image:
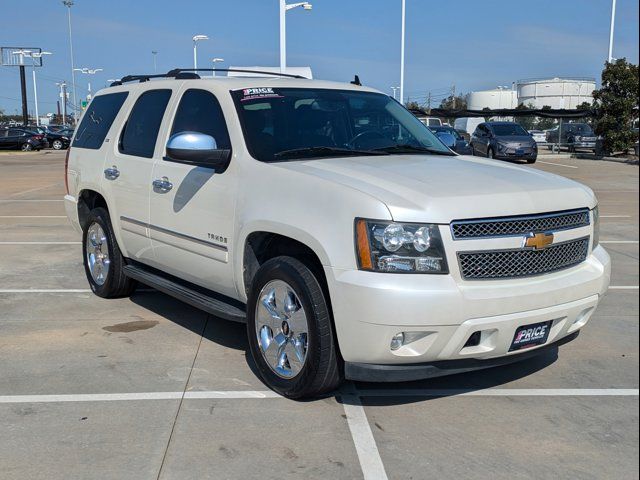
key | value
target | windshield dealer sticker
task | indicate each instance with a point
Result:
(258, 93)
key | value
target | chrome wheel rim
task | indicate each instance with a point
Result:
(57, 144)
(282, 329)
(97, 250)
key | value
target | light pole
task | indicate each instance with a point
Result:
(214, 61)
(89, 71)
(155, 63)
(69, 4)
(404, 16)
(611, 30)
(33, 56)
(284, 8)
(196, 39)
(394, 91)
(63, 96)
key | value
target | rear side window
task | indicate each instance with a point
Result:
(199, 111)
(97, 120)
(141, 130)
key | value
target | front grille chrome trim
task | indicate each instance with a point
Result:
(516, 226)
(522, 263)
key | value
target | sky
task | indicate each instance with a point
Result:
(470, 44)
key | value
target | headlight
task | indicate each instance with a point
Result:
(596, 226)
(399, 247)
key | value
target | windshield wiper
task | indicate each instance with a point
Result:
(307, 152)
(405, 148)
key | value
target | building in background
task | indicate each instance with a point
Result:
(557, 93)
(502, 97)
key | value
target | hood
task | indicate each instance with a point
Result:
(439, 189)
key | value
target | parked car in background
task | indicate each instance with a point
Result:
(468, 124)
(504, 141)
(574, 136)
(59, 140)
(430, 121)
(538, 135)
(460, 145)
(21, 139)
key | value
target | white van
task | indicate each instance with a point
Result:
(468, 124)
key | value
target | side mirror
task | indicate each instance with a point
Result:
(198, 149)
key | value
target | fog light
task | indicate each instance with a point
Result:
(397, 341)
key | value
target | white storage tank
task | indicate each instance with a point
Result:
(493, 99)
(556, 92)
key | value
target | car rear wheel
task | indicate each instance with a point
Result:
(103, 261)
(290, 331)
(26, 147)
(490, 153)
(57, 145)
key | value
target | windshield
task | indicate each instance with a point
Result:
(508, 130)
(298, 123)
(580, 128)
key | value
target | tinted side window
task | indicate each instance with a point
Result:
(199, 111)
(141, 130)
(97, 120)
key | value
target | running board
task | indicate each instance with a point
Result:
(195, 296)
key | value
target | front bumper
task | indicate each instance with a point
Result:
(370, 308)
(584, 144)
(366, 372)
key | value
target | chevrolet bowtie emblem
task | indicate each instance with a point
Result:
(538, 241)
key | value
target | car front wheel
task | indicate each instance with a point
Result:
(57, 145)
(103, 261)
(290, 331)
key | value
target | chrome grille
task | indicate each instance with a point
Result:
(521, 225)
(495, 264)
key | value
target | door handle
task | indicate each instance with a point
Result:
(163, 185)
(112, 173)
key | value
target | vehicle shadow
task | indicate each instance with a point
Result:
(233, 335)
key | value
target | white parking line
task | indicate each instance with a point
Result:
(366, 448)
(615, 242)
(114, 397)
(504, 392)
(352, 405)
(45, 290)
(615, 216)
(40, 243)
(30, 200)
(624, 287)
(33, 216)
(557, 164)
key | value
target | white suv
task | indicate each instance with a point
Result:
(352, 242)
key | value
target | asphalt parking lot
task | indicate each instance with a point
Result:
(148, 387)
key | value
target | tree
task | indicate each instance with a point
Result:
(413, 106)
(545, 123)
(527, 122)
(458, 102)
(616, 105)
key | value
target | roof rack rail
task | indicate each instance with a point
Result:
(238, 70)
(191, 73)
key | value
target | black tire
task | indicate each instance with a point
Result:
(531, 160)
(322, 371)
(57, 145)
(116, 284)
(473, 151)
(491, 154)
